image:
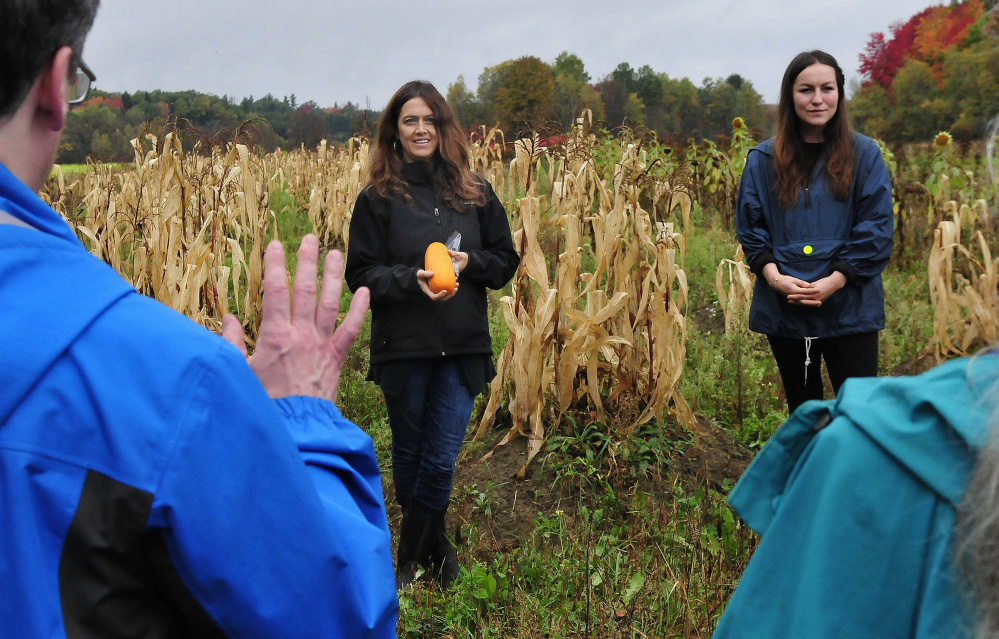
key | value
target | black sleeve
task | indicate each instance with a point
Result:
(496, 262)
(367, 257)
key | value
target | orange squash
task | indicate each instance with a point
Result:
(439, 261)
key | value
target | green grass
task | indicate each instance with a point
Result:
(76, 169)
(641, 549)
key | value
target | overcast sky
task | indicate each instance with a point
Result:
(362, 51)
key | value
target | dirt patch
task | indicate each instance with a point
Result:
(713, 458)
(503, 510)
(709, 319)
(920, 362)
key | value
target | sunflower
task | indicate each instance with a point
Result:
(942, 141)
(738, 124)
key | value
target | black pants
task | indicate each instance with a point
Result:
(847, 356)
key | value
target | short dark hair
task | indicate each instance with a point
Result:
(31, 31)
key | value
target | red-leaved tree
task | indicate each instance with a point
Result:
(942, 28)
(883, 57)
(925, 37)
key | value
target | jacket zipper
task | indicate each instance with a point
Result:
(443, 317)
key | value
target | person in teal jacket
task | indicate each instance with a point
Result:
(152, 483)
(855, 502)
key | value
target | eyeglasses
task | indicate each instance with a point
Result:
(79, 83)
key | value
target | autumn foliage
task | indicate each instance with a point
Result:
(924, 37)
(937, 71)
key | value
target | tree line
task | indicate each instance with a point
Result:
(104, 125)
(936, 71)
(521, 96)
(528, 94)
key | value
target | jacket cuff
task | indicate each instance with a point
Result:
(848, 272)
(761, 260)
(302, 407)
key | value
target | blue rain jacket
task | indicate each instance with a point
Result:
(148, 484)
(857, 519)
(818, 236)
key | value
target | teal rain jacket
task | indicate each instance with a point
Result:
(149, 487)
(856, 519)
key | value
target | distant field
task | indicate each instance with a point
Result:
(80, 168)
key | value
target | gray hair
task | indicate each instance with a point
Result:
(991, 133)
(977, 528)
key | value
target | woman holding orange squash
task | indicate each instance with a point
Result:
(431, 352)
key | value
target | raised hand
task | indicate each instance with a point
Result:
(300, 349)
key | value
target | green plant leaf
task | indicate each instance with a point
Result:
(634, 585)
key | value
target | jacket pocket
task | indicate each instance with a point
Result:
(808, 260)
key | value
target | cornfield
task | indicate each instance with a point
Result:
(189, 229)
(597, 313)
(599, 329)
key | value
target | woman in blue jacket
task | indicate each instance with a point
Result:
(431, 353)
(814, 217)
(878, 512)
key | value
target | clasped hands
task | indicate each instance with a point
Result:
(300, 349)
(460, 261)
(802, 293)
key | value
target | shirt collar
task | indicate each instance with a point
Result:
(24, 205)
(10, 220)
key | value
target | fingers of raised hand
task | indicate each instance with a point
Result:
(275, 305)
(329, 297)
(303, 311)
(232, 332)
(347, 332)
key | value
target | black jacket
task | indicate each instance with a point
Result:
(388, 240)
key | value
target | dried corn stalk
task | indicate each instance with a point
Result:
(735, 297)
(485, 157)
(604, 341)
(963, 285)
(189, 229)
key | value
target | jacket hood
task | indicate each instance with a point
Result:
(766, 147)
(38, 326)
(933, 424)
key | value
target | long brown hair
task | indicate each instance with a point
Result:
(459, 186)
(789, 145)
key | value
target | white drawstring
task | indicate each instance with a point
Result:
(808, 358)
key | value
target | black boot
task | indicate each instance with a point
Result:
(405, 550)
(414, 541)
(443, 560)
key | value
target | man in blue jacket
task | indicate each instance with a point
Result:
(151, 485)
